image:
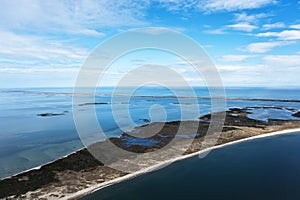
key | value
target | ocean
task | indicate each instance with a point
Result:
(265, 168)
(28, 140)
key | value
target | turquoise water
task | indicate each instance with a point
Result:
(28, 140)
(262, 169)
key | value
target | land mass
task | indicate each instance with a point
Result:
(80, 171)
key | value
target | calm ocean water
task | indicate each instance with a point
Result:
(262, 169)
(28, 140)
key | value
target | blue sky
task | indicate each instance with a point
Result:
(252, 43)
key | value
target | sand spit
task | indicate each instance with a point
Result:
(80, 173)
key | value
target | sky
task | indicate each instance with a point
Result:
(252, 43)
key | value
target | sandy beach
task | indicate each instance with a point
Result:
(160, 165)
(79, 173)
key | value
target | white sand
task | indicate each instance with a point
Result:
(158, 166)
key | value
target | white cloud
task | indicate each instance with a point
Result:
(274, 70)
(234, 68)
(262, 47)
(243, 75)
(88, 17)
(235, 58)
(232, 5)
(244, 17)
(295, 26)
(209, 6)
(158, 30)
(242, 27)
(283, 61)
(22, 55)
(219, 31)
(268, 34)
(36, 47)
(284, 35)
(273, 26)
(89, 32)
(37, 69)
(244, 21)
(73, 17)
(176, 5)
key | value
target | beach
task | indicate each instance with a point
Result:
(226, 173)
(80, 173)
(160, 165)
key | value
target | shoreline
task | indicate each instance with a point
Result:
(40, 166)
(159, 165)
(79, 173)
(65, 156)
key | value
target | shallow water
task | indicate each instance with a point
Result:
(28, 140)
(265, 168)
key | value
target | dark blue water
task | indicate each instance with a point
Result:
(28, 140)
(262, 169)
